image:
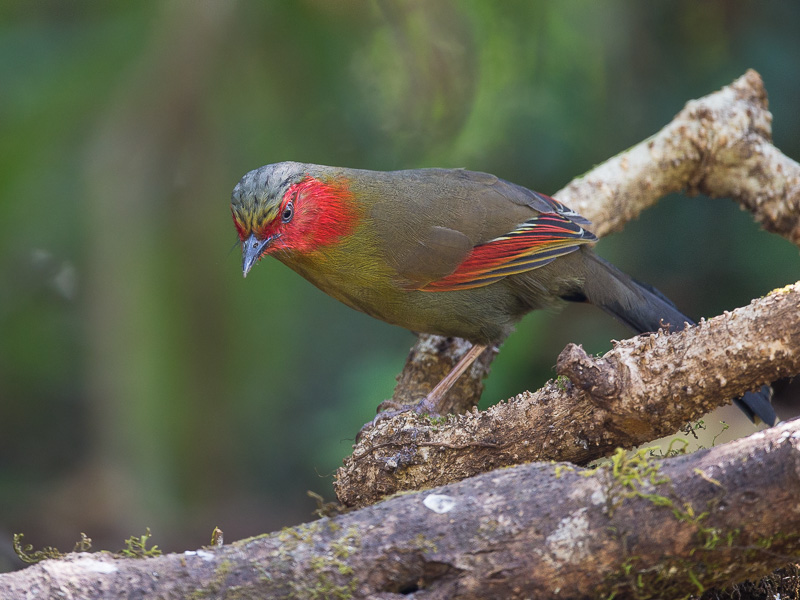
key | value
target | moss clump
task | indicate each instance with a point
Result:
(136, 547)
(638, 475)
(629, 474)
(563, 469)
(28, 555)
(436, 420)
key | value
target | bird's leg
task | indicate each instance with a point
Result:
(430, 404)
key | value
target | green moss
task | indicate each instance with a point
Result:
(329, 576)
(217, 538)
(436, 419)
(303, 533)
(347, 544)
(629, 473)
(703, 570)
(679, 445)
(333, 526)
(223, 569)
(136, 547)
(725, 427)
(787, 289)
(562, 469)
(693, 578)
(424, 544)
(638, 475)
(332, 578)
(28, 555)
(84, 544)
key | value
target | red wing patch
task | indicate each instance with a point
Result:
(534, 243)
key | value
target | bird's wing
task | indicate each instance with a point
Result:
(521, 195)
(456, 229)
(534, 243)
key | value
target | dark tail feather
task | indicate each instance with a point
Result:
(643, 308)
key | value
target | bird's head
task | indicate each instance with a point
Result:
(291, 207)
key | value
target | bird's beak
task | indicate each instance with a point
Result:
(252, 248)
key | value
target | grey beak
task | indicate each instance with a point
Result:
(252, 248)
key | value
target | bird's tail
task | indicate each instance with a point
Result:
(643, 308)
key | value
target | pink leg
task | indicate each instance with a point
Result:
(430, 403)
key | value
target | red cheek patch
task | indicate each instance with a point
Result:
(324, 213)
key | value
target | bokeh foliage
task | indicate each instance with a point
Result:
(144, 383)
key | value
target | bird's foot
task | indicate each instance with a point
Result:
(431, 403)
(428, 405)
(391, 408)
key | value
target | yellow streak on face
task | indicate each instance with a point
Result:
(256, 219)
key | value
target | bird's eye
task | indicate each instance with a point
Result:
(288, 213)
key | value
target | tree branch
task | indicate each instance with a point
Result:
(636, 527)
(644, 388)
(719, 145)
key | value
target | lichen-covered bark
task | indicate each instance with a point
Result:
(637, 527)
(644, 388)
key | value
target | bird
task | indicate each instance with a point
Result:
(452, 252)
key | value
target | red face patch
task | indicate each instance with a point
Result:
(312, 214)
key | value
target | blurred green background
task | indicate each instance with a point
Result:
(143, 382)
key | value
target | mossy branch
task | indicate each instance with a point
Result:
(637, 526)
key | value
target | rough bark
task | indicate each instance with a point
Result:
(719, 145)
(644, 388)
(637, 527)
